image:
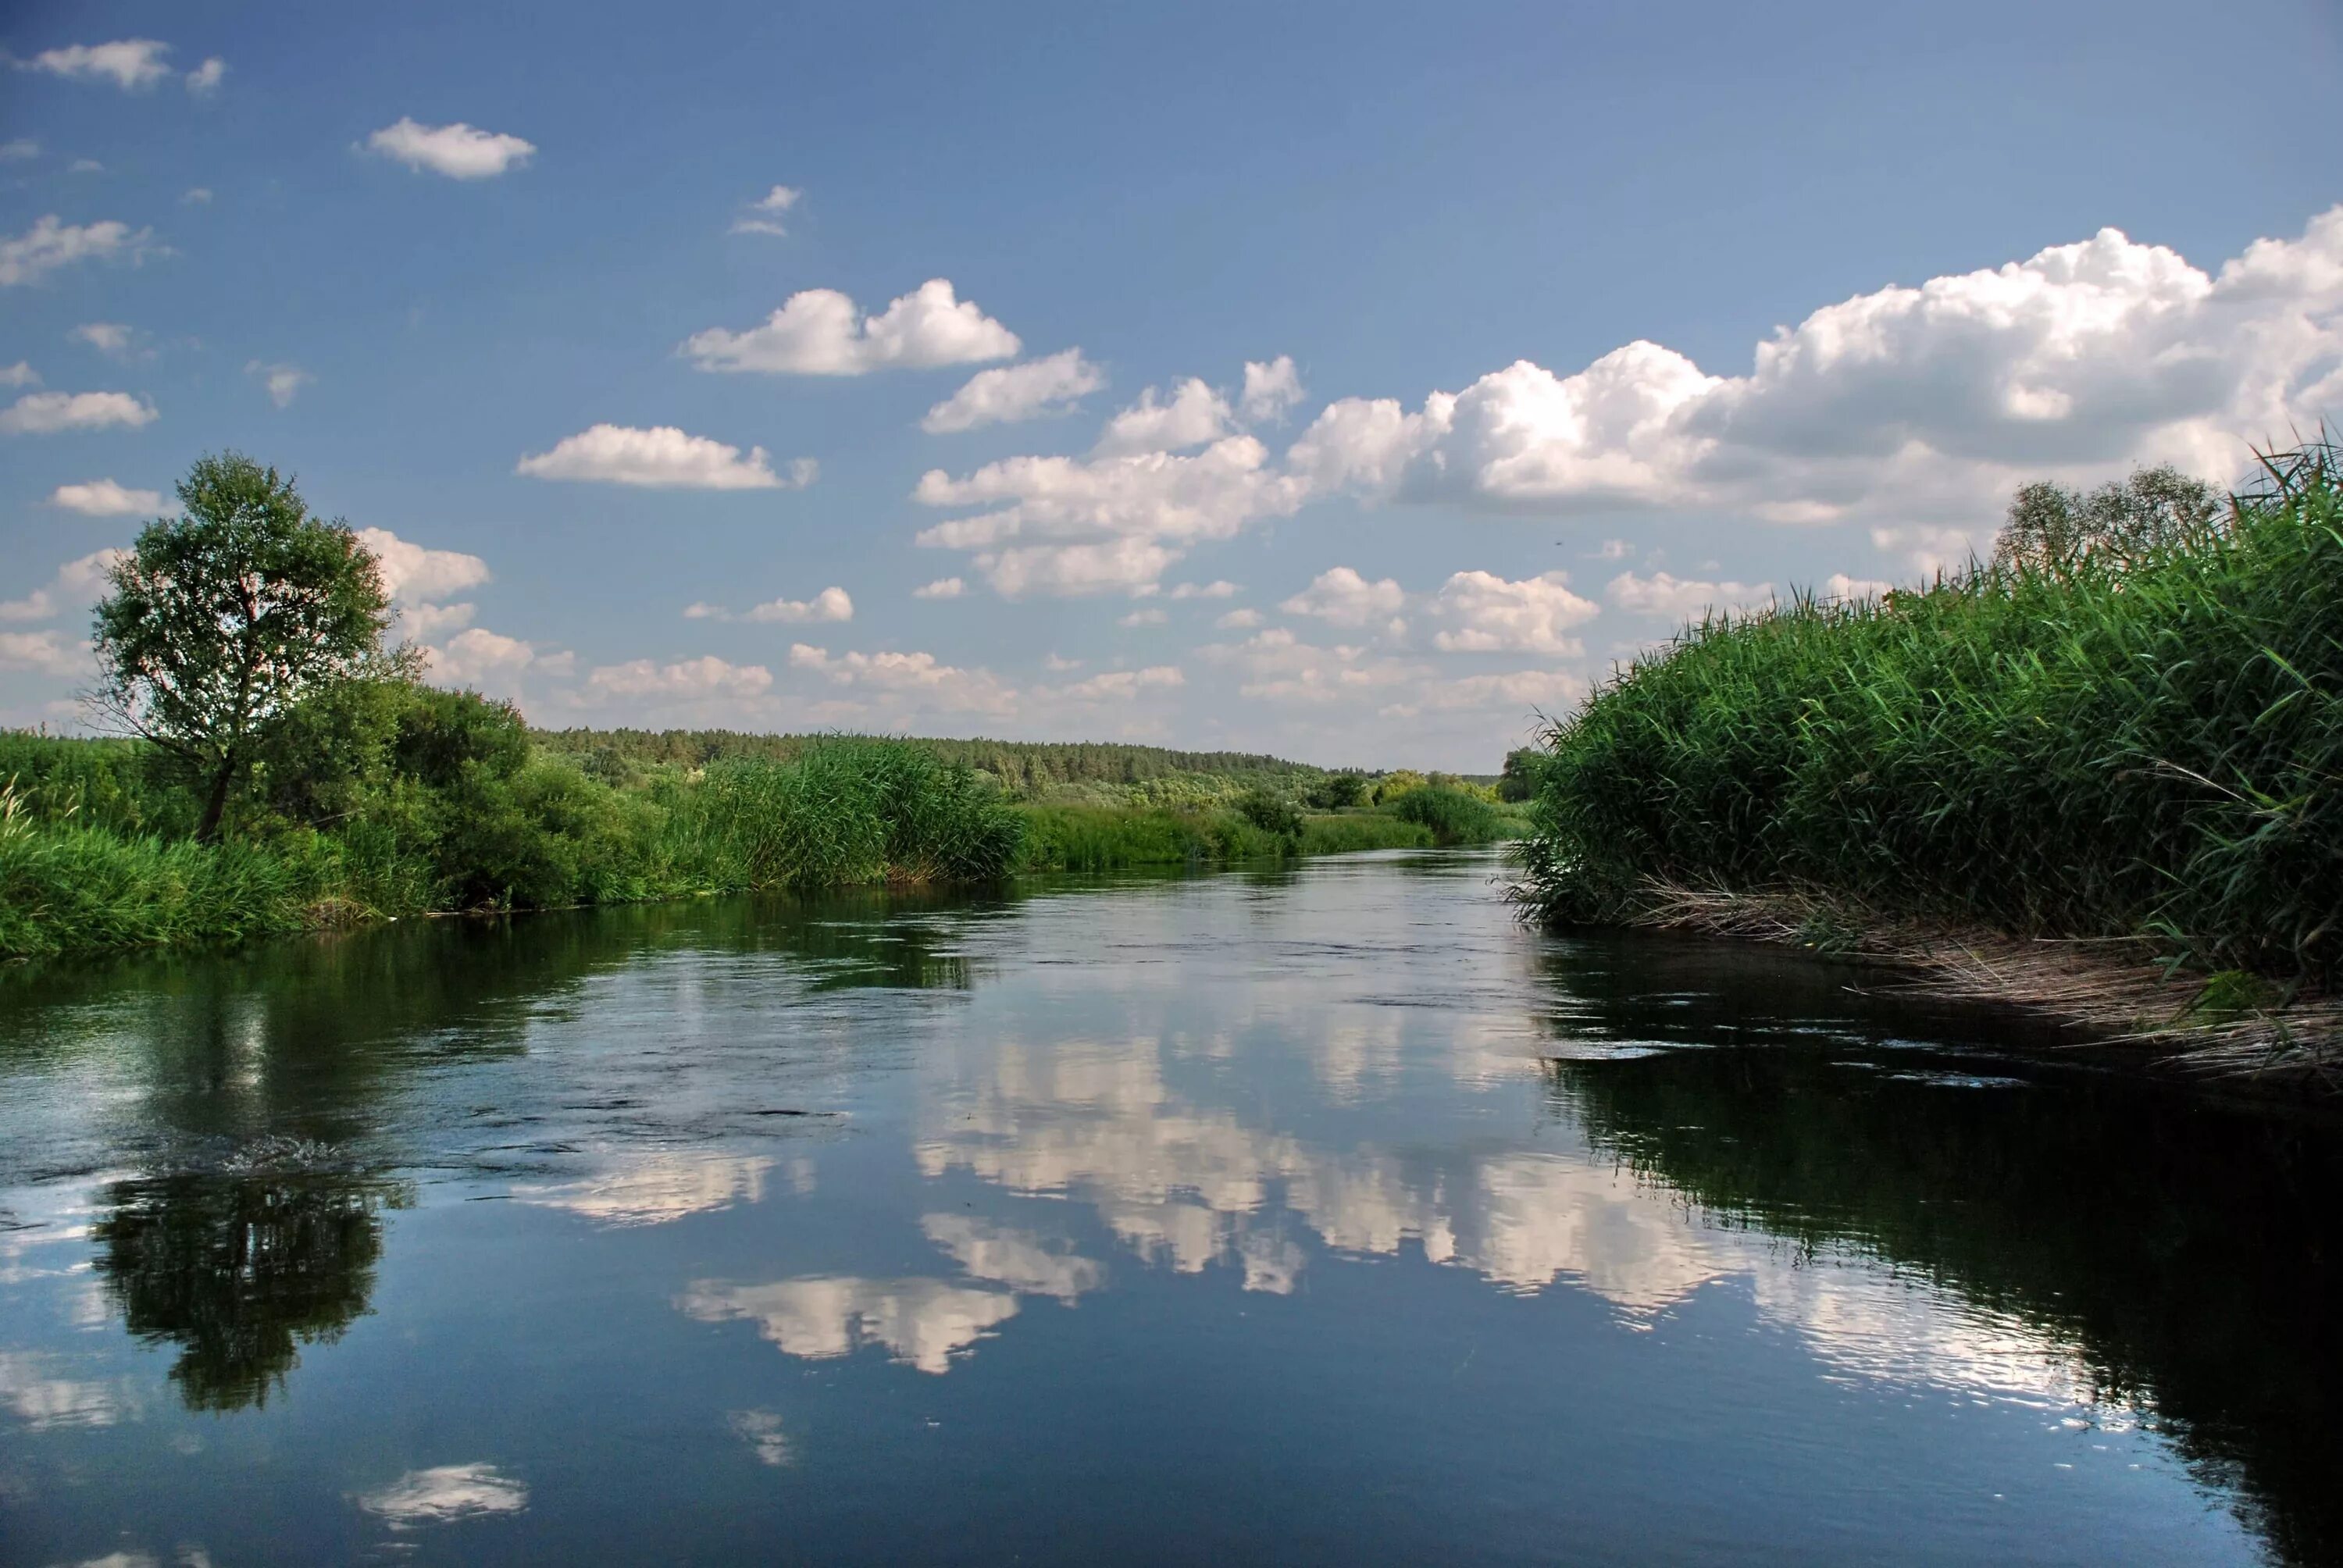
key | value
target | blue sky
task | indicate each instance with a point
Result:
(501, 288)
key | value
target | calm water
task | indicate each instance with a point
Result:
(1324, 1215)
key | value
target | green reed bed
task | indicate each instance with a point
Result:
(2103, 748)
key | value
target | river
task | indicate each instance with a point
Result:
(1323, 1214)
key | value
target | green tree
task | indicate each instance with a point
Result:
(1519, 782)
(224, 621)
(2052, 527)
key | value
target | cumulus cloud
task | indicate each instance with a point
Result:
(47, 413)
(417, 575)
(1192, 415)
(1016, 392)
(111, 338)
(1839, 585)
(205, 78)
(1683, 600)
(24, 149)
(196, 195)
(50, 244)
(1239, 620)
(1488, 614)
(446, 1494)
(908, 678)
(1143, 617)
(943, 588)
(1340, 596)
(43, 652)
(822, 332)
(78, 584)
(1069, 525)
(459, 151)
(1270, 389)
(284, 381)
(829, 604)
(1936, 549)
(764, 214)
(661, 458)
(105, 499)
(132, 64)
(479, 658)
(1928, 402)
(690, 680)
(20, 374)
(1122, 685)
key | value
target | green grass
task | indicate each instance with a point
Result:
(2103, 749)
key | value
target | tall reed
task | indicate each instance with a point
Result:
(2098, 749)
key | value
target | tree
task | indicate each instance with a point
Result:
(2052, 527)
(1337, 791)
(1519, 782)
(224, 621)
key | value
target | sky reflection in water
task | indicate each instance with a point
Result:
(1312, 1214)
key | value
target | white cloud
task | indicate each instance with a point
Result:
(943, 588)
(1058, 665)
(1928, 403)
(133, 64)
(691, 679)
(20, 374)
(105, 499)
(1068, 526)
(1934, 549)
(416, 574)
(46, 413)
(1143, 617)
(1016, 392)
(1613, 550)
(205, 79)
(426, 623)
(1239, 620)
(1122, 685)
(765, 213)
(1491, 615)
(284, 381)
(108, 338)
(85, 166)
(1270, 389)
(78, 584)
(822, 332)
(22, 150)
(458, 151)
(1680, 600)
(1839, 585)
(196, 195)
(46, 652)
(1193, 415)
(446, 1495)
(1219, 589)
(906, 673)
(49, 244)
(922, 1324)
(829, 604)
(477, 657)
(1340, 596)
(660, 457)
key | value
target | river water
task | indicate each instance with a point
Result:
(1317, 1215)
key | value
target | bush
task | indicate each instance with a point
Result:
(1273, 814)
(1453, 816)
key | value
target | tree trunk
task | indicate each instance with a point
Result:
(207, 830)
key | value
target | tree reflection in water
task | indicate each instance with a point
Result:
(240, 1269)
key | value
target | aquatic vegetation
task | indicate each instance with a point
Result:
(2130, 744)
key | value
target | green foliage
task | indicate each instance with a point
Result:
(1519, 782)
(1337, 791)
(1453, 816)
(224, 621)
(1273, 813)
(2051, 528)
(1352, 831)
(2112, 746)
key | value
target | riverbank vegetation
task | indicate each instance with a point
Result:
(2127, 729)
(286, 770)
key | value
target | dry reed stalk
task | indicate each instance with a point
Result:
(2086, 984)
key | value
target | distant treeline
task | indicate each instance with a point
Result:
(1020, 764)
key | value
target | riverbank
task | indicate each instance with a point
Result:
(463, 812)
(2103, 788)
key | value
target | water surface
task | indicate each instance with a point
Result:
(1322, 1215)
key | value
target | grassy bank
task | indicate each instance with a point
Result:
(447, 803)
(2145, 748)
